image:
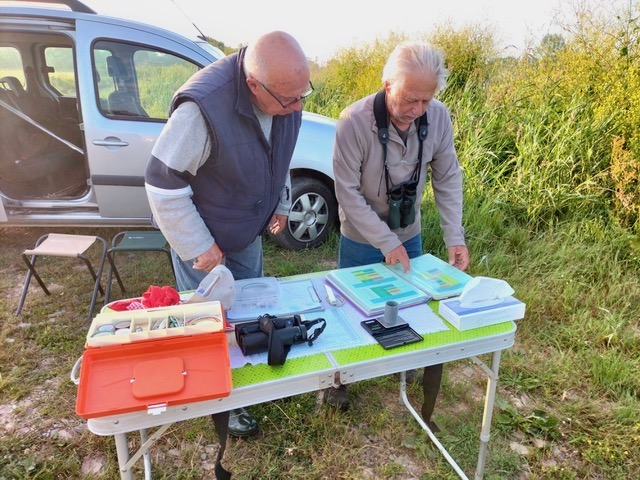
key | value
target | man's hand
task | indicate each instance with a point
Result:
(277, 223)
(398, 255)
(459, 257)
(209, 259)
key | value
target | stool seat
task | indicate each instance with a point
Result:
(139, 241)
(63, 245)
(133, 241)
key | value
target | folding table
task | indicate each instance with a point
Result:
(259, 383)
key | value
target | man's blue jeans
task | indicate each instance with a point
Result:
(243, 265)
(355, 254)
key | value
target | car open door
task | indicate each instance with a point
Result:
(126, 93)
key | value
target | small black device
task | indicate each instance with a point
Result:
(390, 337)
(275, 335)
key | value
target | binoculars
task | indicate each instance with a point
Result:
(402, 210)
(275, 335)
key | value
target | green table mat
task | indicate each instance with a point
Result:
(252, 374)
(368, 352)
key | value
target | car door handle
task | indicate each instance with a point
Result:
(110, 142)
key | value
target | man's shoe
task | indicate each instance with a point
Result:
(241, 423)
(337, 397)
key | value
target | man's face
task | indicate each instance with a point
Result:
(408, 100)
(281, 98)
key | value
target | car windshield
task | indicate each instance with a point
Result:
(216, 52)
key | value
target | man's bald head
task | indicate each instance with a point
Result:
(277, 59)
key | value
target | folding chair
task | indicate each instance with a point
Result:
(63, 245)
(134, 241)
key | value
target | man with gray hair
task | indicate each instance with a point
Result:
(219, 172)
(380, 163)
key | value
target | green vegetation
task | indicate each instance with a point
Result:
(550, 145)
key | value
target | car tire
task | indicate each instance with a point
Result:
(313, 214)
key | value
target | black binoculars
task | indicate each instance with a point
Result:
(275, 335)
(402, 210)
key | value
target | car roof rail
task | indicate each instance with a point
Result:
(74, 5)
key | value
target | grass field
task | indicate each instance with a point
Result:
(566, 407)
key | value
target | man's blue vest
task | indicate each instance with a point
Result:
(238, 188)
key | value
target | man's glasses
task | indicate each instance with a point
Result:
(292, 102)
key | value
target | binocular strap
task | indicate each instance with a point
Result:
(316, 333)
(380, 114)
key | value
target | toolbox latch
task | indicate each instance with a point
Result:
(156, 409)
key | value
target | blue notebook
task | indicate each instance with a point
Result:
(370, 287)
(434, 276)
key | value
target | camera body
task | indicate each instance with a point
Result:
(402, 210)
(275, 335)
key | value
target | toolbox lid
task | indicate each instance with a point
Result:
(161, 376)
(140, 375)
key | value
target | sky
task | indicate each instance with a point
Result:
(323, 27)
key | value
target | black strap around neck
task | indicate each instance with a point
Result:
(382, 122)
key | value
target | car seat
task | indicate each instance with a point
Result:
(122, 101)
(28, 153)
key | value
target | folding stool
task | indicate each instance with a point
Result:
(63, 245)
(134, 241)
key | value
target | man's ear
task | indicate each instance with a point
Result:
(253, 84)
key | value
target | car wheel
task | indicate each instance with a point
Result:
(313, 214)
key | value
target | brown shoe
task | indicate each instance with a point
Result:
(337, 397)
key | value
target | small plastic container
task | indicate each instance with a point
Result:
(257, 294)
(114, 328)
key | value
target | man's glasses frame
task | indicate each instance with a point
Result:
(291, 103)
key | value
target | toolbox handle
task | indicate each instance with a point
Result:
(75, 378)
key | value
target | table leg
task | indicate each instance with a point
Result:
(489, 402)
(144, 437)
(425, 427)
(122, 449)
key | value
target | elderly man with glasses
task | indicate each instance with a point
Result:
(219, 172)
(388, 145)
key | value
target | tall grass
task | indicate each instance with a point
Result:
(548, 144)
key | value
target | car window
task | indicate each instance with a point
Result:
(60, 72)
(136, 82)
(11, 64)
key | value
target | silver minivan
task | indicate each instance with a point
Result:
(83, 98)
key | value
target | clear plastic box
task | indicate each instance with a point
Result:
(257, 294)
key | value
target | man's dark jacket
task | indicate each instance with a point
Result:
(238, 188)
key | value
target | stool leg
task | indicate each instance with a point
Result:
(173, 270)
(32, 272)
(93, 273)
(97, 287)
(111, 257)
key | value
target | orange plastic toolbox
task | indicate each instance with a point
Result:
(152, 374)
